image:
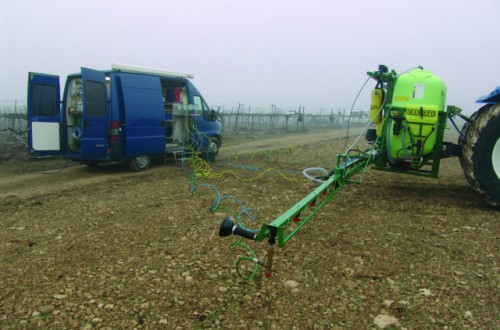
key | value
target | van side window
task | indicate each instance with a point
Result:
(45, 99)
(201, 106)
(95, 98)
(198, 104)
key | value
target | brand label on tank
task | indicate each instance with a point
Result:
(421, 112)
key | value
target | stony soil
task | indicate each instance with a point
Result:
(105, 248)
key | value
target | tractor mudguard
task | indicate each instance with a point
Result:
(491, 98)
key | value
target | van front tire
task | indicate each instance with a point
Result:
(213, 149)
(139, 163)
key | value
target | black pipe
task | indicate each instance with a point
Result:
(227, 227)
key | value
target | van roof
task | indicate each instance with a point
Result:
(160, 72)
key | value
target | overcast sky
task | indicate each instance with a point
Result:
(258, 52)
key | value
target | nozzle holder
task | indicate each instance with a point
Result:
(228, 227)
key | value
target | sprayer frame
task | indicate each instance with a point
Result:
(388, 79)
(349, 169)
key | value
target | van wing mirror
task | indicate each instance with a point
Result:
(213, 115)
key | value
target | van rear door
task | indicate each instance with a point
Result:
(93, 144)
(144, 115)
(44, 114)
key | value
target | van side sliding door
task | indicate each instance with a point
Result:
(144, 115)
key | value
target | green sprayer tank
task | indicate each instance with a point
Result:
(417, 98)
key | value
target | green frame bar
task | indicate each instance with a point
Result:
(280, 229)
(319, 196)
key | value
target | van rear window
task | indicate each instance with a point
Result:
(45, 100)
(95, 98)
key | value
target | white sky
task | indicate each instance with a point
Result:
(258, 52)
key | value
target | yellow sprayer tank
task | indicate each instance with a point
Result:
(418, 97)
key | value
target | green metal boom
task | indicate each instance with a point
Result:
(289, 223)
(283, 228)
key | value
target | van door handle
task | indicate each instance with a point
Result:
(86, 123)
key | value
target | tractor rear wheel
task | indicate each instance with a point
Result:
(481, 153)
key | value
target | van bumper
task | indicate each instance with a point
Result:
(115, 151)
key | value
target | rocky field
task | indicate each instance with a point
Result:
(106, 248)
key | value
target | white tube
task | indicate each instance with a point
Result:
(316, 169)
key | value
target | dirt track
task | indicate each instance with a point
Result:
(38, 177)
(108, 248)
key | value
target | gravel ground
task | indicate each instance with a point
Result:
(104, 248)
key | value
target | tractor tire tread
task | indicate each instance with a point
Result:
(472, 132)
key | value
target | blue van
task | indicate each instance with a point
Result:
(125, 114)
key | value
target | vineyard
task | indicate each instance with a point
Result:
(13, 118)
(239, 120)
(243, 119)
(13, 132)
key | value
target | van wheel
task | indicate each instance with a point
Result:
(481, 153)
(139, 163)
(213, 150)
(214, 145)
